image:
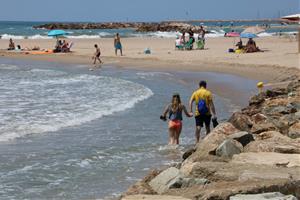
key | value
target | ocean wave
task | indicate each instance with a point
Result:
(20, 37)
(265, 34)
(158, 34)
(39, 101)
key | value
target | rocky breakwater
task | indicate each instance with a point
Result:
(109, 25)
(255, 155)
(138, 26)
(167, 27)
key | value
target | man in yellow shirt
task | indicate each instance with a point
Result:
(204, 108)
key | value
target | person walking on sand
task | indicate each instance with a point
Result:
(97, 55)
(205, 109)
(117, 44)
(174, 109)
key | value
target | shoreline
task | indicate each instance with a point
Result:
(272, 65)
(261, 72)
(133, 60)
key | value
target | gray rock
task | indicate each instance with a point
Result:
(297, 115)
(181, 182)
(160, 183)
(228, 148)
(279, 110)
(263, 196)
(242, 137)
(295, 105)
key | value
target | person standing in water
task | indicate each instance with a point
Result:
(97, 55)
(174, 109)
(204, 107)
(117, 44)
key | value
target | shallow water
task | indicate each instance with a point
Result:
(71, 133)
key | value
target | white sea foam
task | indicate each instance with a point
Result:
(158, 34)
(39, 101)
(265, 34)
(19, 37)
(83, 36)
(153, 74)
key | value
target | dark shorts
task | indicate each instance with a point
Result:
(98, 55)
(200, 119)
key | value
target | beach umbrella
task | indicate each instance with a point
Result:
(254, 30)
(57, 33)
(295, 17)
(232, 35)
(248, 35)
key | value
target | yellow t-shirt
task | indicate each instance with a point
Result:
(201, 93)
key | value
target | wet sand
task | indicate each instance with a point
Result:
(279, 61)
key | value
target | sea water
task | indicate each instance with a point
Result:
(25, 30)
(70, 133)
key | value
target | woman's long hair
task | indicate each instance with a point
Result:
(176, 104)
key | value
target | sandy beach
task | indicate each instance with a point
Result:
(279, 60)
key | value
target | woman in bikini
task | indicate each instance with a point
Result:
(174, 109)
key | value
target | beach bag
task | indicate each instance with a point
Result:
(202, 107)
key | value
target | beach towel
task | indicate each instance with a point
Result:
(40, 52)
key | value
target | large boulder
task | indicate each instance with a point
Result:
(228, 148)
(160, 183)
(273, 141)
(232, 171)
(206, 149)
(263, 196)
(222, 190)
(268, 158)
(153, 197)
(241, 121)
(142, 186)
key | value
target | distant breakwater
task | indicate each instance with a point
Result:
(138, 26)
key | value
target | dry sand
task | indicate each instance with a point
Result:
(279, 60)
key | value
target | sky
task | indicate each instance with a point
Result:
(143, 10)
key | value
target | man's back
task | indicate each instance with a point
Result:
(199, 94)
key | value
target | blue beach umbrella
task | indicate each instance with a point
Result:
(248, 35)
(56, 33)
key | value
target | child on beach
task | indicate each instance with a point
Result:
(97, 55)
(174, 109)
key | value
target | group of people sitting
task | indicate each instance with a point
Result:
(181, 43)
(250, 47)
(62, 46)
(12, 46)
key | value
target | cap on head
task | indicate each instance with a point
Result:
(202, 84)
(96, 45)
